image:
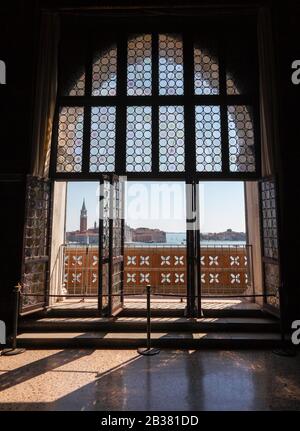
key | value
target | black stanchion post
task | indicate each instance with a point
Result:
(14, 350)
(148, 351)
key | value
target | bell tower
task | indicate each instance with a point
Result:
(83, 218)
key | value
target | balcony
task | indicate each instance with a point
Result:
(225, 269)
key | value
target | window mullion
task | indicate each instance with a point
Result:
(155, 117)
(189, 108)
(223, 107)
(120, 160)
(86, 140)
(87, 110)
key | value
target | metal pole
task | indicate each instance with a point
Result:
(13, 350)
(148, 318)
(148, 351)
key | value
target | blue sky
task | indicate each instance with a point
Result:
(162, 205)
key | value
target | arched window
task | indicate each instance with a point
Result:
(155, 104)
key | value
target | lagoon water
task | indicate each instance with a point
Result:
(174, 239)
(179, 239)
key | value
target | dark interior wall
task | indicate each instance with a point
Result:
(287, 49)
(17, 45)
(19, 22)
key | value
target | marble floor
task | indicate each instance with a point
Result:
(173, 380)
(159, 303)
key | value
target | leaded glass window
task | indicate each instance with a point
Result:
(156, 104)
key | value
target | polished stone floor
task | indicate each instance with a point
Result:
(173, 380)
(158, 303)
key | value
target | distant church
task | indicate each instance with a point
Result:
(86, 236)
(83, 235)
(83, 218)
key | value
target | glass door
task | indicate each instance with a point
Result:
(193, 250)
(270, 246)
(36, 247)
(104, 245)
(111, 245)
(116, 246)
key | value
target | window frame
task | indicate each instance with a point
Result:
(189, 32)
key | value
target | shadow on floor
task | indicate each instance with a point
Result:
(41, 366)
(177, 380)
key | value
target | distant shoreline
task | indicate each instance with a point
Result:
(174, 244)
(178, 239)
